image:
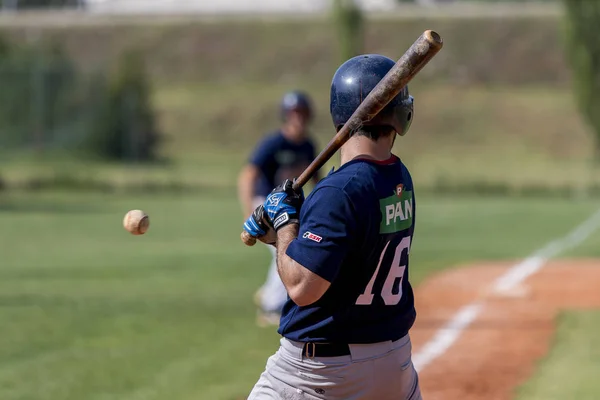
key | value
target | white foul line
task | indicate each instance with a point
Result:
(449, 333)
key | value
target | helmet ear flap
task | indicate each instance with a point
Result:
(405, 115)
(398, 116)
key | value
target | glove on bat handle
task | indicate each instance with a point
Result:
(411, 62)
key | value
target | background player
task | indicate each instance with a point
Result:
(280, 155)
(344, 261)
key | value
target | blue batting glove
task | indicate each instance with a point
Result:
(283, 204)
(255, 224)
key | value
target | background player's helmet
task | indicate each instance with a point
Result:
(354, 80)
(296, 100)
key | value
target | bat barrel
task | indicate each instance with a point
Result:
(433, 38)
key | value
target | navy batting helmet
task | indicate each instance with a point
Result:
(354, 80)
(296, 100)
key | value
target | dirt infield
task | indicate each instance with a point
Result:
(498, 351)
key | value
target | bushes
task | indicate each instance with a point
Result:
(48, 104)
(125, 127)
(583, 52)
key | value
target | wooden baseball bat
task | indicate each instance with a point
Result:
(411, 62)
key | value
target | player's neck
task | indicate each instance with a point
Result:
(363, 147)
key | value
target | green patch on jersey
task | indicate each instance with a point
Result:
(396, 211)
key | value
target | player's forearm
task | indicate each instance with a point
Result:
(285, 265)
(303, 286)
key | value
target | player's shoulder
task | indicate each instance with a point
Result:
(342, 184)
(271, 139)
(359, 172)
(358, 177)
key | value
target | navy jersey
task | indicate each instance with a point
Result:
(356, 228)
(279, 159)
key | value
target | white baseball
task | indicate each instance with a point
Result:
(136, 222)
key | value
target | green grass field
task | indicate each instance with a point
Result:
(91, 312)
(571, 369)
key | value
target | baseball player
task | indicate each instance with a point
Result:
(343, 256)
(280, 155)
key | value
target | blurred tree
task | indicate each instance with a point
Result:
(349, 23)
(583, 52)
(126, 129)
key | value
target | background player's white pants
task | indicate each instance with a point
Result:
(379, 371)
(272, 293)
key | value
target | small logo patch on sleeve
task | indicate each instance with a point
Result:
(312, 236)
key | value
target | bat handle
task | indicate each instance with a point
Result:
(299, 182)
(248, 239)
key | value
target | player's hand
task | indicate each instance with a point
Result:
(258, 226)
(283, 205)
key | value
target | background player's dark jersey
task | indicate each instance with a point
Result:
(356, 229)
(279, 159)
